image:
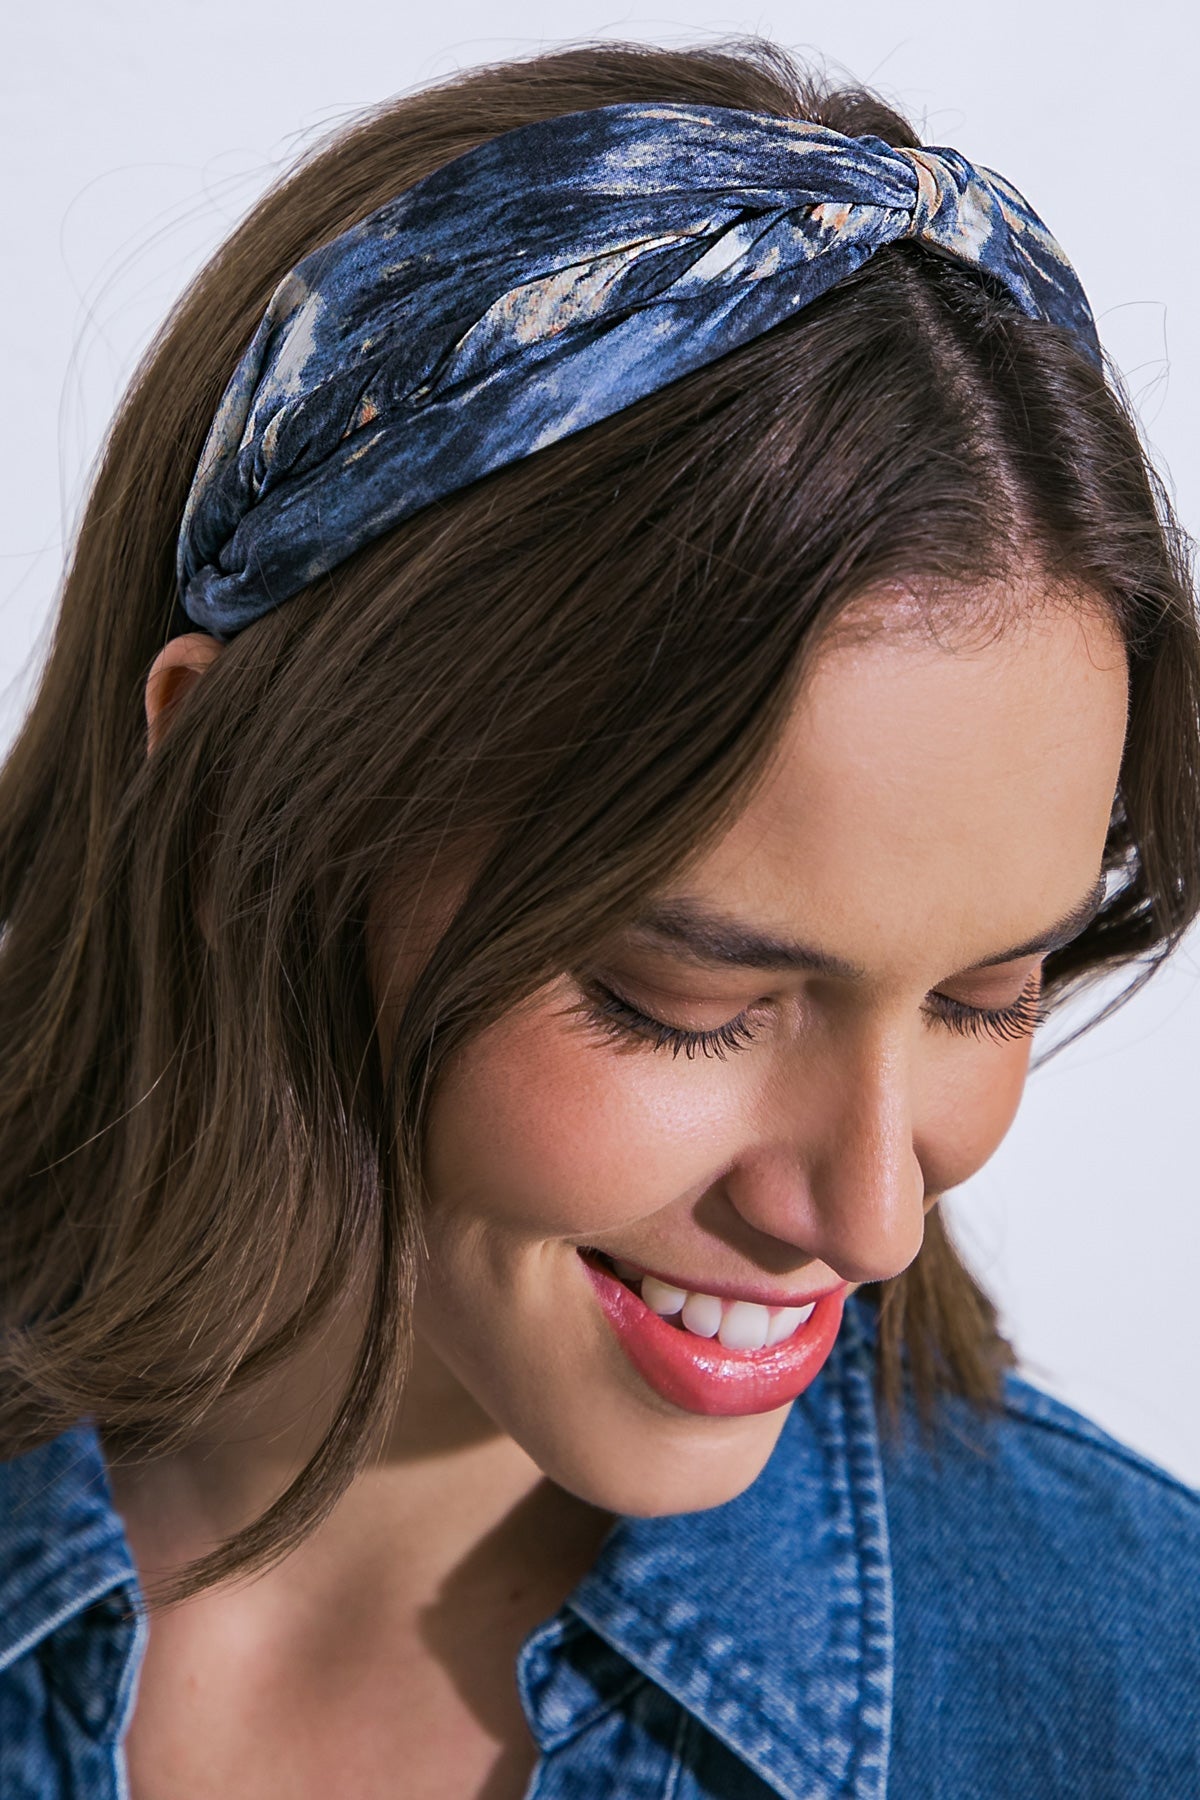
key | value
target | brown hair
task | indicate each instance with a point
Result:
(580, 662)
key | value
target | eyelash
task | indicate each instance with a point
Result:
(618, 1020)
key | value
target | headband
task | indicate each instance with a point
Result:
(547, 279)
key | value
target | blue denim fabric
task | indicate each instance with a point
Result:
(1009, 1612)
(71, 1631)
(547, 279)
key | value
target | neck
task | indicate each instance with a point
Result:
(461, 1497)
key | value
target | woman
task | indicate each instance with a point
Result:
(677, 660)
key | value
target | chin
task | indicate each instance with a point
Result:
(669, 1465)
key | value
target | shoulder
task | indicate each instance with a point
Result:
(1044, 1434)
(1040, 1483)
(1047, 1602)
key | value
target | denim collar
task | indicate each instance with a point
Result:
(65, 1568)
(768, 1619)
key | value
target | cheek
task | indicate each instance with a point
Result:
(965, 1111)
(543, 1132)
(543, 1129)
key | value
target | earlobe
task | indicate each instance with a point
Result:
(174, 671)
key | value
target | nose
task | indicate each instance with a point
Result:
(833, 1169)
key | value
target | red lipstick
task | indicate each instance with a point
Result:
(700, 1374)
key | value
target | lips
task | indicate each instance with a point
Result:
(700, 1373)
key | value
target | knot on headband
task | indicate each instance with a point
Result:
(543, 281)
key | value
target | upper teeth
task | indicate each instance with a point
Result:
(737, 1324)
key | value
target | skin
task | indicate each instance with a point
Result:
(931, 807)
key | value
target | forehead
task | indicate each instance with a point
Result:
(948, 794)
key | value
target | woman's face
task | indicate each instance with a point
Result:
(756, 1094)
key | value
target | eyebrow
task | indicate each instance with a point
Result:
(700, 934)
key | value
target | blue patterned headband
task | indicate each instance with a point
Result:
(545, 280)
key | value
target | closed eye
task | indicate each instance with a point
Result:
(618, 1020)
(1004, 1024)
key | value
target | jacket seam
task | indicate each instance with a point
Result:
(1115, 1452)
(78, 1603)
(873, 1551)
(845, 1783)
(760, 1718)
(590, 1715)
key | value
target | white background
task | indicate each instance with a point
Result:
(133, 133)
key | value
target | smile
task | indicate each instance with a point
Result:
(712, 1354)
(737, 1324)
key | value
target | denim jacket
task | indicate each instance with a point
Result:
(1007, 1611)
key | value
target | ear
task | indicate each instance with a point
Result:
(175, 670)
